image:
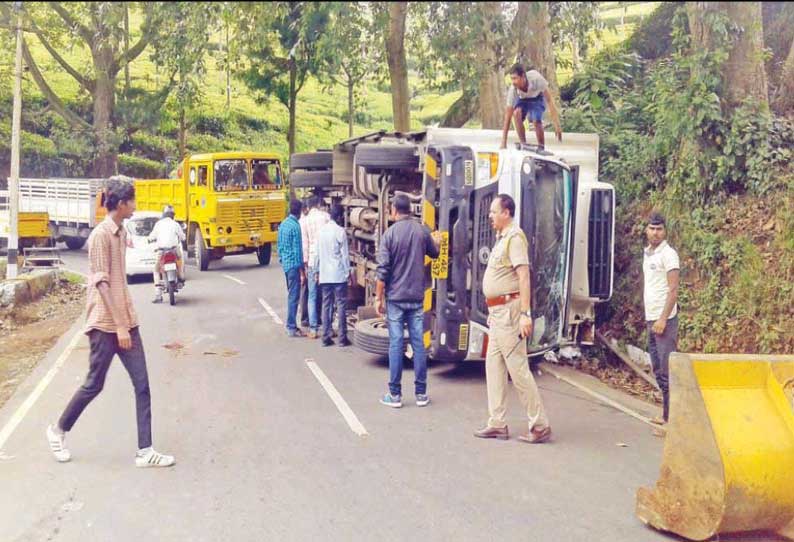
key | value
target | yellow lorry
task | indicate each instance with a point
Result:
(230, 203)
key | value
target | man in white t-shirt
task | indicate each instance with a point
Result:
(528, 96)
(167, 233)
(661, 270)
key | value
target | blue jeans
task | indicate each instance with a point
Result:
(293, 277)
(314, 292)
(398, 315)
(334, 294)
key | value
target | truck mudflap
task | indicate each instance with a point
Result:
(729, 450)
(448, 184)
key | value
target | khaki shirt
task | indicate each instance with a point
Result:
(510, 251)
(107, 251)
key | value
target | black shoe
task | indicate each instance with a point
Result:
(345, 342)
(328, 342)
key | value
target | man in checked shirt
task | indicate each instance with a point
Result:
(112, 328)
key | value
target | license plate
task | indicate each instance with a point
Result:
(170, 267)
(439, 267)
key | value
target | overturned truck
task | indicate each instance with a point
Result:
(452, 176)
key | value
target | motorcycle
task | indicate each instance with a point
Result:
(168, 270)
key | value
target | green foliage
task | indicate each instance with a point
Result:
(141, 168)
(652, 39)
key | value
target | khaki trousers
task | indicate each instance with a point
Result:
(508, 353)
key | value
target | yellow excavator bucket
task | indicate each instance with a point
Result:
(728, 463)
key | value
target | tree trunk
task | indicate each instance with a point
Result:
(785, 92)
(293, 98)
(492, 81)
(743, 73)
(126, 48)
(532, 34)
(462, 110)
(351, 106)
(398, 66)
(105, 160)
(575, 54)
(228, 71)
(182, 137)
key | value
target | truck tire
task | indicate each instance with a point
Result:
(263, 254)
(377, 157)
(202, 254)
(373, 336)
(74, 243)
(310, 179)
(311, 160)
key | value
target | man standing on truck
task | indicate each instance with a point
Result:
(112, 328)
(316, 219)
(661, 271)
(167, 233)
(401, 278)
(506, 285)
(527, 96)
(334, 263)
(290, 253)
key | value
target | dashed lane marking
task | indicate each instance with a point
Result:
(271, 312)
(347, 413)
(234, 279)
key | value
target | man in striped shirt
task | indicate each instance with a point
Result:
(290, 253)
(112, 328)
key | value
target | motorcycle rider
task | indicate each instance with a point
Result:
(167, 233)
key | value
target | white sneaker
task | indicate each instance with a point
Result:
(151, 458)
(57, 443)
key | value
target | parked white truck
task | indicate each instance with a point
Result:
(74, 206)
(452, 176)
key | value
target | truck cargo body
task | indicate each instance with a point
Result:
(74, 206)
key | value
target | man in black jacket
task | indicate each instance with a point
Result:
(401, 277)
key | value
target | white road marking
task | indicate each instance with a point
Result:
(344, 409)
(233, 279)
(25, 407)
(271, 312)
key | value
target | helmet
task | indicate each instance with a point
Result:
(168, 211)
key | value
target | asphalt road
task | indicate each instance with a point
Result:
(264, 454)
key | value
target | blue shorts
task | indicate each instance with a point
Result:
(532, 108)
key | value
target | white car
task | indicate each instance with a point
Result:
(141, 254)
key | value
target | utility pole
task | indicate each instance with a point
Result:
(13, 181)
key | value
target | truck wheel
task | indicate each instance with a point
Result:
(373, 336)
(376, 157)
(263, 254)
(74, 243)
(202, 254)
(311, 160)
(310, 179)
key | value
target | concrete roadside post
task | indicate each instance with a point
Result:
(13, 182)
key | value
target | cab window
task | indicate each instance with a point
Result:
(202, 175)
(231, 175)
(266, 174)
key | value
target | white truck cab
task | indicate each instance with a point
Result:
(452, 176)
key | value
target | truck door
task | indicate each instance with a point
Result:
(545, 217)
(198, 192)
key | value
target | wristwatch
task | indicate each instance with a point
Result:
(528, 314)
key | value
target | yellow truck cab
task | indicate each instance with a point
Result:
(230, 203)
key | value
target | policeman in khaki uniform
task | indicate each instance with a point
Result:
(507, 292)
